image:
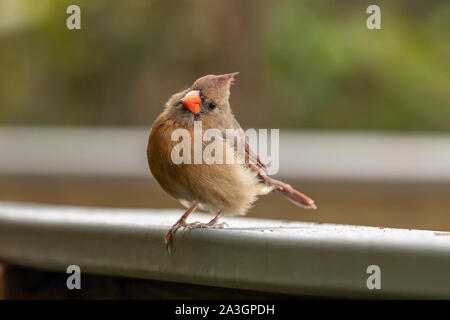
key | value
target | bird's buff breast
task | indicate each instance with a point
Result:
(228, 188)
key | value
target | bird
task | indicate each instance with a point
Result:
(218, 188)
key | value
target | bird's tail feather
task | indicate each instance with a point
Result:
(293, 195)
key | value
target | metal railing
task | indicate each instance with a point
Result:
(264, 255)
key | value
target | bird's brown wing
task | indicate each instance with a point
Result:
(254, 162)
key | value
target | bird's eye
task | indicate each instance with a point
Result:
(212, 105)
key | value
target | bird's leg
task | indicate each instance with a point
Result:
(213, 224)
(180, 223)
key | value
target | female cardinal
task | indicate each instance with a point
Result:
(228, 189)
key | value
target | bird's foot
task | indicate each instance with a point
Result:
(208, 225)
(169, 235)
(180, 223)
(213, 224)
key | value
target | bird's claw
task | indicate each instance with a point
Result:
(208, 225)
(168, 240)
(192, 225)
(221, 225)
(213, 224)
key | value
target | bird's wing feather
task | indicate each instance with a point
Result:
(253, 161)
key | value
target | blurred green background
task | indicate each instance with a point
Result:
(303, 64)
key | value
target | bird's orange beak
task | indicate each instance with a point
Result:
(192, 101)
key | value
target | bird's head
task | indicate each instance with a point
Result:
(207, 95)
